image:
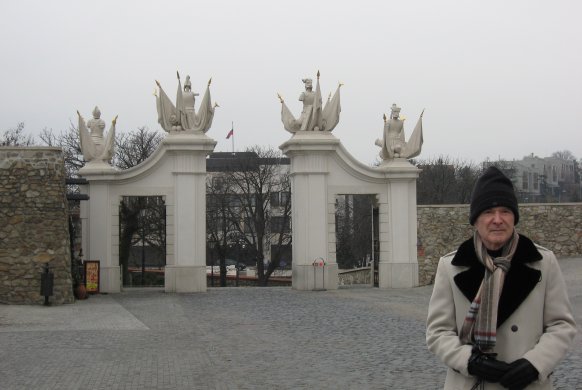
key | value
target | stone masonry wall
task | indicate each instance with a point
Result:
(556, 226)
(33, 225)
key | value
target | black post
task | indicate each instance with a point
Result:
(211, 246)
(237, 266)
(142, 258)
(142, 214)
(212, 274)
(46, 284)
(212, 270)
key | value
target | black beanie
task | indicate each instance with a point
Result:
(492, 189)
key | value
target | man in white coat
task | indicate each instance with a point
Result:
(499, 315)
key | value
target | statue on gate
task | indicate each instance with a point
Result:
(94, 146)
(314, 117)
(182, 117)
(393, 143)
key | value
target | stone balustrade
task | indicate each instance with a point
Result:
(355, 276)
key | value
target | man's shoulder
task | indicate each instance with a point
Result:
(542, 249)
(530, 247)
(450, 255)
(448, 258)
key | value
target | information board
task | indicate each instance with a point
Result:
(92, 276)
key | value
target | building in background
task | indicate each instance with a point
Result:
(543, 179)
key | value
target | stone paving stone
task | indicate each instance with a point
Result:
(237, 338)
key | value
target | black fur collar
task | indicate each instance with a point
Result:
(519, 282)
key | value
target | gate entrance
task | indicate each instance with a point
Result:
(142, 240)
(356, 229)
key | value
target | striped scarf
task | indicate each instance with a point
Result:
(480, 325)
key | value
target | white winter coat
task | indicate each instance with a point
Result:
(535, 319)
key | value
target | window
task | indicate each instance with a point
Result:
(525, 181)
(285, 197)
(280, 224)
(275, 199)
(248, 227)
(279, 199)
(218, 182)
(536, 181)
(234, 201)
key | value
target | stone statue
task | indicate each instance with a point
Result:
(182, 116)
(93, 145)
(314, 117)
(188, 98)
(393, 143)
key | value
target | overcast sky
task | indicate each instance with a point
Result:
(498, 78)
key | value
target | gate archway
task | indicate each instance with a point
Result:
(176, 172)
(142, 241)
(322, 168)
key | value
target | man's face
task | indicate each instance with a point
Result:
(495, 226)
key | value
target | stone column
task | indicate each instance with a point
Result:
(98, 212)
(309, 153)
(398, 266)
(188, 271)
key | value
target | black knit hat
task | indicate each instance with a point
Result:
(492, 189)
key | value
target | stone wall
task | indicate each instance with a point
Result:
(556, 226)
(34, 225)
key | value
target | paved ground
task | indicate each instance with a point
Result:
(237, 338)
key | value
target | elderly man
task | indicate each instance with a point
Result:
(499, 315)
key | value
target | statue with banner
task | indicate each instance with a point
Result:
(94, 145)
(393, 143)
(314, 116)
(182, 116)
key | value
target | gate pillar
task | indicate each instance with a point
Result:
(398, 266)
(188, 271)
(309, 153)
(97, 233)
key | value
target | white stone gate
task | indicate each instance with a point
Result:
(177, 172)
(321, 168)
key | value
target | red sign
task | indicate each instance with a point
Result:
(92, 276)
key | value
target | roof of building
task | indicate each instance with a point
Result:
(240, 161)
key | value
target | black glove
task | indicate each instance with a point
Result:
(485, 366)
(521, 373)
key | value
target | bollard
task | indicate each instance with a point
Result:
(318, 263)
(46, 284)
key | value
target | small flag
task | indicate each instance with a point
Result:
(230, 133)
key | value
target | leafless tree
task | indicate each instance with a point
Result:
(135, 147)
(353, 220)
(564, 155)
(445, 181)
(16, 137)
(69, 142)
(253, 209)
(220, 229)
(142, 220)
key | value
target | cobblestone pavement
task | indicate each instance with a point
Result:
(237, 338)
